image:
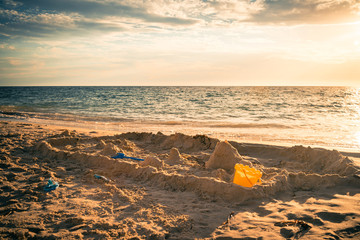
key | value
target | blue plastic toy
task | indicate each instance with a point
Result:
(121, 156)
(51, 185)
(102, 178)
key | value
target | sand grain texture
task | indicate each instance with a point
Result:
(183, 189)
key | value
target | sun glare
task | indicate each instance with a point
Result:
(357, 138)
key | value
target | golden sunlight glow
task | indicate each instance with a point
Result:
(199, 43)
(356, 101)
(357, 138)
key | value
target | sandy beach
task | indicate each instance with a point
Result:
(306, 193)
(179, 120)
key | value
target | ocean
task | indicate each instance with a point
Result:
(311, 116)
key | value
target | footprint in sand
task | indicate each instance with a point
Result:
(333, 216)
(352, 232)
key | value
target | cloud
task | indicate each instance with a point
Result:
(45, 18)
(7, 47)
(305, 11)
(25, 24)
(95, 9)
(39, 18)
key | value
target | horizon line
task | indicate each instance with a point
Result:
(177, 86)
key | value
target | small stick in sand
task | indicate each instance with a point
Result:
(303, 227)
(229, 218)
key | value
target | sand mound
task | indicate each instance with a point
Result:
(101, 144)
(188, 143)
(154, 200)
(301, 159)
(288, 169)
(179, 200)
(225, 156)
(321, 161)
(193, 178)
(174, 157)
(152, 161)
(109, 150)
(180, 141)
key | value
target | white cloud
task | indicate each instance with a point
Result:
(7, 46)
(307, 11)
(40, 18)
(162, 38)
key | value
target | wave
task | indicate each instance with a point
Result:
(248, 125)
(32, 115)
(19, 112)
(217, 124)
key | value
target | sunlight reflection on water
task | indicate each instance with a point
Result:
(327, 116)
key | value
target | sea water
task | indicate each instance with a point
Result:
(320, 116)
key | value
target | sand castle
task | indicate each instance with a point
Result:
(183, 189)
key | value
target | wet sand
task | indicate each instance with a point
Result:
(173, 194)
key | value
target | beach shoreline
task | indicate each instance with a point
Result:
(310, 116)
(210, 129)
(171, 195)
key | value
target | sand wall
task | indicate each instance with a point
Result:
(296, 168)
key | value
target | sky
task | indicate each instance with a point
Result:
(179, 42)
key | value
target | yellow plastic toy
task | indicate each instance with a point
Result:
(246, 176)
